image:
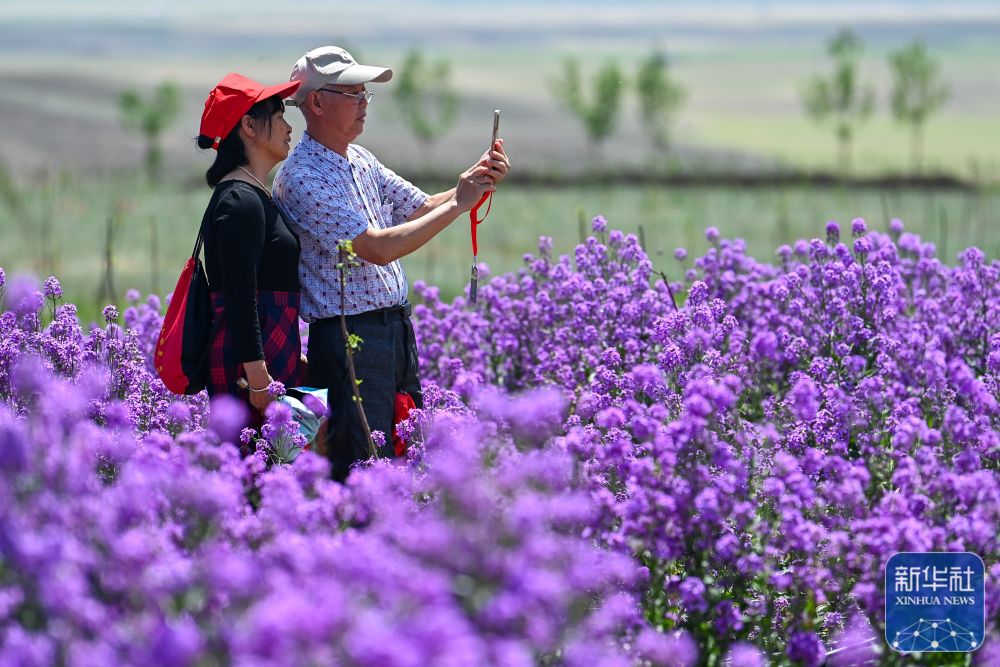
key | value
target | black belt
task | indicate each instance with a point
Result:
(381, 315)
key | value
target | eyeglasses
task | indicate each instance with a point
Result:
(363, 96)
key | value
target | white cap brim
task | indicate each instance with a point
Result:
(352, 76)
(358, 74)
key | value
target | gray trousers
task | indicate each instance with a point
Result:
(385, 364)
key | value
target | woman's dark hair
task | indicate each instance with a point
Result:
(232, 153)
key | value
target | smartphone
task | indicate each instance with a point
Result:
(496, 128)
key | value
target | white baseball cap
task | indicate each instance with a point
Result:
(331, 64)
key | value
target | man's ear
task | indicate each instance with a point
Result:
(312, 99)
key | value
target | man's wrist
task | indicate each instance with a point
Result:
(454, 208)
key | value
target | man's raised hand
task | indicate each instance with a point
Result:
(472, 184)
(497, 162)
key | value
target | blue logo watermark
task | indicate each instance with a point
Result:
(935, 602)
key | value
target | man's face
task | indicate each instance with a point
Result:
(343, 113)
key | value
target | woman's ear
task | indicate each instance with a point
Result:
(246, 123)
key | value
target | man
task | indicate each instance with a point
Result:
(330, 189)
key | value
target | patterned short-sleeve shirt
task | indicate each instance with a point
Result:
(325, 197)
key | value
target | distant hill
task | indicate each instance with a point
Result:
(64, 62)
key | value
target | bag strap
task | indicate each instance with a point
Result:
(200, 238)
(198, 243)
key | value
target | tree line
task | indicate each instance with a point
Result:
(842, 99)
(426, 101)
(838, 98)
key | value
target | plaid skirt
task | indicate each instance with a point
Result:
(278, 313)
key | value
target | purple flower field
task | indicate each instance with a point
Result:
(610, 469)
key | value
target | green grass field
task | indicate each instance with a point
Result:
(60, 227)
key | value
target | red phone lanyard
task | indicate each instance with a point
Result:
(474, 221)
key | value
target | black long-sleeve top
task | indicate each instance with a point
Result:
(248, 247)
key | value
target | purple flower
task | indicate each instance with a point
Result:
(179, 412)
(673, 649)
(116, 416)
(896, 226)
(132, 295)
(862, 246)
(698, 293)
(765, 345)
(972, 258)
(712, 234)
(727, 547)
(52, 288)
(805, 648)
(315, 404)
(279, 415)
(599, 223)
(743, 654)
(692, 592)
(13, 445)
(611, 358)
(227, 416)
(680, 254)
(544, 245)
(178, 642)
(804, 399)
(23, 295)
(832, 232)
(858, 227)
(728, 618)
(817, 249)
(610, 418)
(3, 277)
(275, 389)
(993, 361)
(110, 314)
(988, 654)
(857, 645)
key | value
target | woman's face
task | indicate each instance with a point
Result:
(273, 139)
(279, 139)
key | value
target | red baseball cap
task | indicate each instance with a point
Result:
(231, 99)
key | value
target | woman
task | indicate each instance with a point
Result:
(251, 257)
